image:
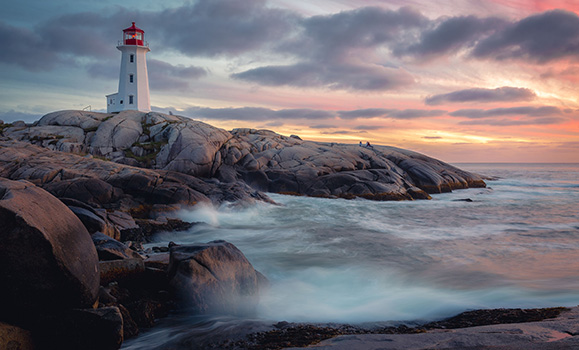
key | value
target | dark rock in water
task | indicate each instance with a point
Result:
(15, 338)
(130, 328)
(47, 259)
(144, 312)
(98, 329)
(111, 249)
(463, 200)
(214, 278)
(485, 317)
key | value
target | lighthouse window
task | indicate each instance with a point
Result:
(132, 59)
(131, 78)
(131, 99)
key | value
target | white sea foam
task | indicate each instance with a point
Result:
(514, 245)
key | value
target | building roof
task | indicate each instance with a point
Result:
(133, 28)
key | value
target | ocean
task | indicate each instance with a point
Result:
(514, 244)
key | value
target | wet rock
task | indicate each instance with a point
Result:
(159, 261)
(119, 270)
(144, 312)
(95, 223)
(47, 259)
(485, 317)
(111, 249)
(214, 278)
(130, 328)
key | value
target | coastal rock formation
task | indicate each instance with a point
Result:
(260, 158)
(104, 184)
(47, 259)
(214, 278)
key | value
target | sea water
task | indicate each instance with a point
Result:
(512, 244)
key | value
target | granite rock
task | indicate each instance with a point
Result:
(214, 278)
(47, 259)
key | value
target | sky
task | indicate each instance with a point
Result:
(459, 80)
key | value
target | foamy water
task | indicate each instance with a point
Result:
(515, 245)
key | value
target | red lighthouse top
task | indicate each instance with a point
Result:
(133, 36)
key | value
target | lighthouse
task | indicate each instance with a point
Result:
(133, 93)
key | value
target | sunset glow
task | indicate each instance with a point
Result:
(464, 81)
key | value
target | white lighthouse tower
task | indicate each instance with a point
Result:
(133, 80)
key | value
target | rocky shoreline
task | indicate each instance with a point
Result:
(80, 192)
(290, 335)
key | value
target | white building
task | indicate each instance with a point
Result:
(133, 80)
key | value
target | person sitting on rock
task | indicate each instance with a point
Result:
(360, 143)
(368, 145)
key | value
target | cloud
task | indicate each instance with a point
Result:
(449, 35)
(368, 127)
(81, 34)
(222, 27)
(162, 75)
(257, 114)
(502, 94)
(328, 50)
(390, 113)
(304, 113)
(415, 113)
(339, 76)
(266, 114)
(432, 137)
(338, 132)
(514, 111)
(322, 126)
(205, 28)
(539, 38)
(515, 122)
(333, 37)
(23, 47)
(364, 113)
(165, 76)
(274, 124)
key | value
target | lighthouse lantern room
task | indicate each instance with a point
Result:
(133, 93)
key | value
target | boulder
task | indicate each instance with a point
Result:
(214, 278)
(121, 269)
(111, 249)
(47, 259)
(87, 329)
